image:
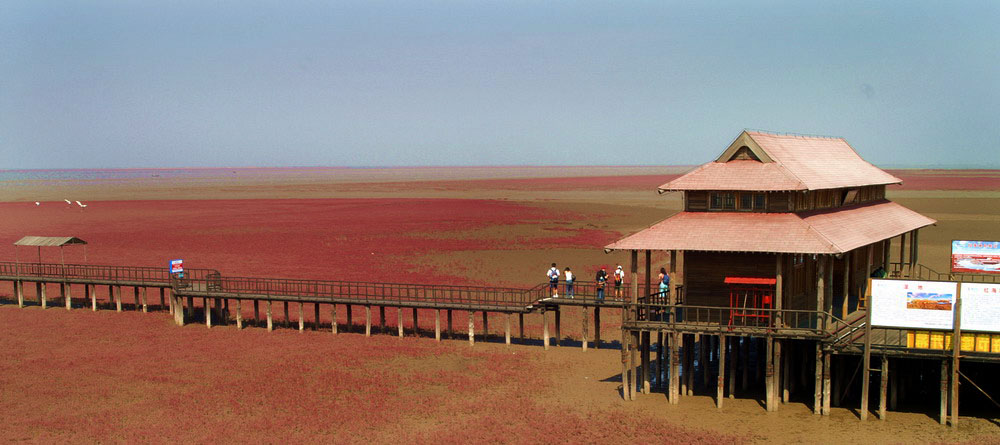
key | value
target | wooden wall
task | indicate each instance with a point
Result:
(705, 272)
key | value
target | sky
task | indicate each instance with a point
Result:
(122, 84)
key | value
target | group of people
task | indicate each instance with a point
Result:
(600, 281)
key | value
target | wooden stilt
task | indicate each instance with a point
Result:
(270, 321)
(315, 316)
(826, 383)
(894, 389)
(67, 291)
(635, 361)
(586, 333)
(786, 377)
(381, 319)
(626, 364)
(302, 318)
(91, 292)
(486, 325)
(545, 330)
(721, 380)
(597, 328)
(776, 373)
(399, 321)
(690, 366)
(866, 366)
(837, 369)
(208, 314)
(943, 410)
(437, 324)
(416, 326)
(704, 345)
(350, 318)
(883, 388)
(558, 326)
(645, 352)
(818, 389)
(118, 298)
(178, 303)
(956, 336)
(451, 332)
(288, 321)
(472, 328)
(734, 360)
(256, 312)
(368, 320)
(506, 328)
(745, 363)
(769, 374)
(163, 300)
(19, 288)
(333, 318)
(520, 326)
(675, 366)
(145, 306)
(685, 369)
(239, 314)
(135, 298)
(41, 294)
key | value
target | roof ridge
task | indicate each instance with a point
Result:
(778, 161)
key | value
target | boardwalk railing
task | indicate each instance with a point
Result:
(96, 274)
(394, 294)
(921, 272)
(718, 318)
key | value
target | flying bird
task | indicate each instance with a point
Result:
(82, 205)
(68, 201)
(37, 203)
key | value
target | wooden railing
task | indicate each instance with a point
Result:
(90, 273)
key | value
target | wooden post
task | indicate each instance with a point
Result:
(451, 332)
(558, 326)
(883, 388)
(381, 319)
(586, 323)
(826, 383)
(145, 306)
(690, 365)
(416, 326)
(866, 365)
(675, 366)
(685, 366)
(302, 318)
(437, 324)
(91, 292)
(745, 363)
(893, 390)
(472, 328)
(190, 306)
(506, 328)
(178, 303)
(117, 290)
(41, 293)
(597, 328)
(818, 389)
(943, 412)
(720, 385)
(644, 360)
(661, 373)
(778, 360)
(68, 295)
(626, 364)
(239, 314)
(316, 316)
(956, 341)
(634, 361)
(820, 287)
(399, 321)
(520, 326)
(733, 361)
(350, 318)
(19, 289)
(368, 320)
(256, 312)
(270, 321)
(208, 314)
(135, 297)
(769, 375)
(163, 300)
(486, 325)
(545, 330)
(703, 358)
(847, 285)
(333, 318)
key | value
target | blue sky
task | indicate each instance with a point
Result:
(104, 84)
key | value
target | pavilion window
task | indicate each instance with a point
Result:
(746, 201)
(722, 201)
(759, 201)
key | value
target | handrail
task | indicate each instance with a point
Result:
(922, 272)
(725, 316)
(144, 275)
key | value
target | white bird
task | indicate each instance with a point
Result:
(68, 201)
(37, 203)
(82, 205)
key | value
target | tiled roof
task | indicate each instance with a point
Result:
(800, 163)
(825, 232)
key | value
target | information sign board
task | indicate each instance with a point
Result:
(913, 304)
(981, 307)
(975, 257)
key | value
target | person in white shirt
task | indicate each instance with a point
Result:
(569, 282)
(619, 279)
(553, 275)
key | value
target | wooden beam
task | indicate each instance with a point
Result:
(270, 320)
(163, 301)
(649, 274)
(820, 286)
(144, 305)
(866, 366)
(288, 320)
(472, 328)
(586, 323)
(451, 332)
(769, 375)
(883, 387)
(545, 330)
(506, 328)
(333, 318)
(826, 383)
(399, 321)
(720, 385)
(239, 314)
(943, 409)
(368, 320)
(437, 325)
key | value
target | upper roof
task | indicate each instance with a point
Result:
(758, 161)
(830, 231)
(45, 241)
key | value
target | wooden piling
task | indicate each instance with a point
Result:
(288, 320)
(558, 326)
(776, 373)
(866, 365)
(818, 389)
(704, 344)
(943, 409)
(720, 384)
(451, 332)
(91, 293)
(734, 359)
(634, 360)
(786, 376)
(399, 321)
(626, 364)
(506, 328)
(486, 325)
(520, 325)
(333, 318)
(135, 298)
(675, 367)
(67, 290)
(893, 391)
(315, 316)
(239, 314)
(145, 306)
(956, 336)
(381, 319)
(368, 320)
(208, 314)
(472, 328)
(117, 291)
(190, 307)
(883, 388)
(644, 360)
(685, 368)
(256, 312)
(690, 365)
(270, 320)
(545, 331)
(19, 289)
(769, 374)
(826, 383)
(597, 328)
(350, 318)
(437, 325)
(302, 318)
(586, 323)
(163, 301)
(745, 363)
(41, 294)
(416, 326)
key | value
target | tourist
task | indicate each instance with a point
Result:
(569, 282)
(602, 279)
(553, 275)
(619, 279)
(664, 283)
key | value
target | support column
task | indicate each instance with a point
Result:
(381, 319)
(733, 362)
(506, 329)
(416, 326)
(472, 328)
(586, 333)
(847, 286)
(208, 314)
(689, 371)
(720, 384)
(558, 326)
(333, 318)
(644, 354)
(239, 314)
(145, 306)
(256, 312)
(117, 291)
(769, 375)
(19, 289)
(163, 301)
(350, 318)
(451, 332)
(826, 383)
(368, 320)
(675, 367)
(68, 295)
(779, 360)
(545, 330)
(270, 321)
(91, 292)
(41, 294)
(437, 324)
(943, 411)
(302, 318)
(820, 288)
(486, 325)
(597, 327)
(520, 326)
(626, 365)
(399, 321)
(866, 366)
(316, 316)
(634, 360)
(288, 320)
(818, 389)
(955, 344)
(883, 388)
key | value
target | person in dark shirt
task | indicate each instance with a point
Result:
(602, 280)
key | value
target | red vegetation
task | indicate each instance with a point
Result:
(947, 179)
(576, 183)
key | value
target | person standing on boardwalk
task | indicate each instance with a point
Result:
(619, 279)
(569, 282)
(601, 280)
(664, 284)
(553, 275)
